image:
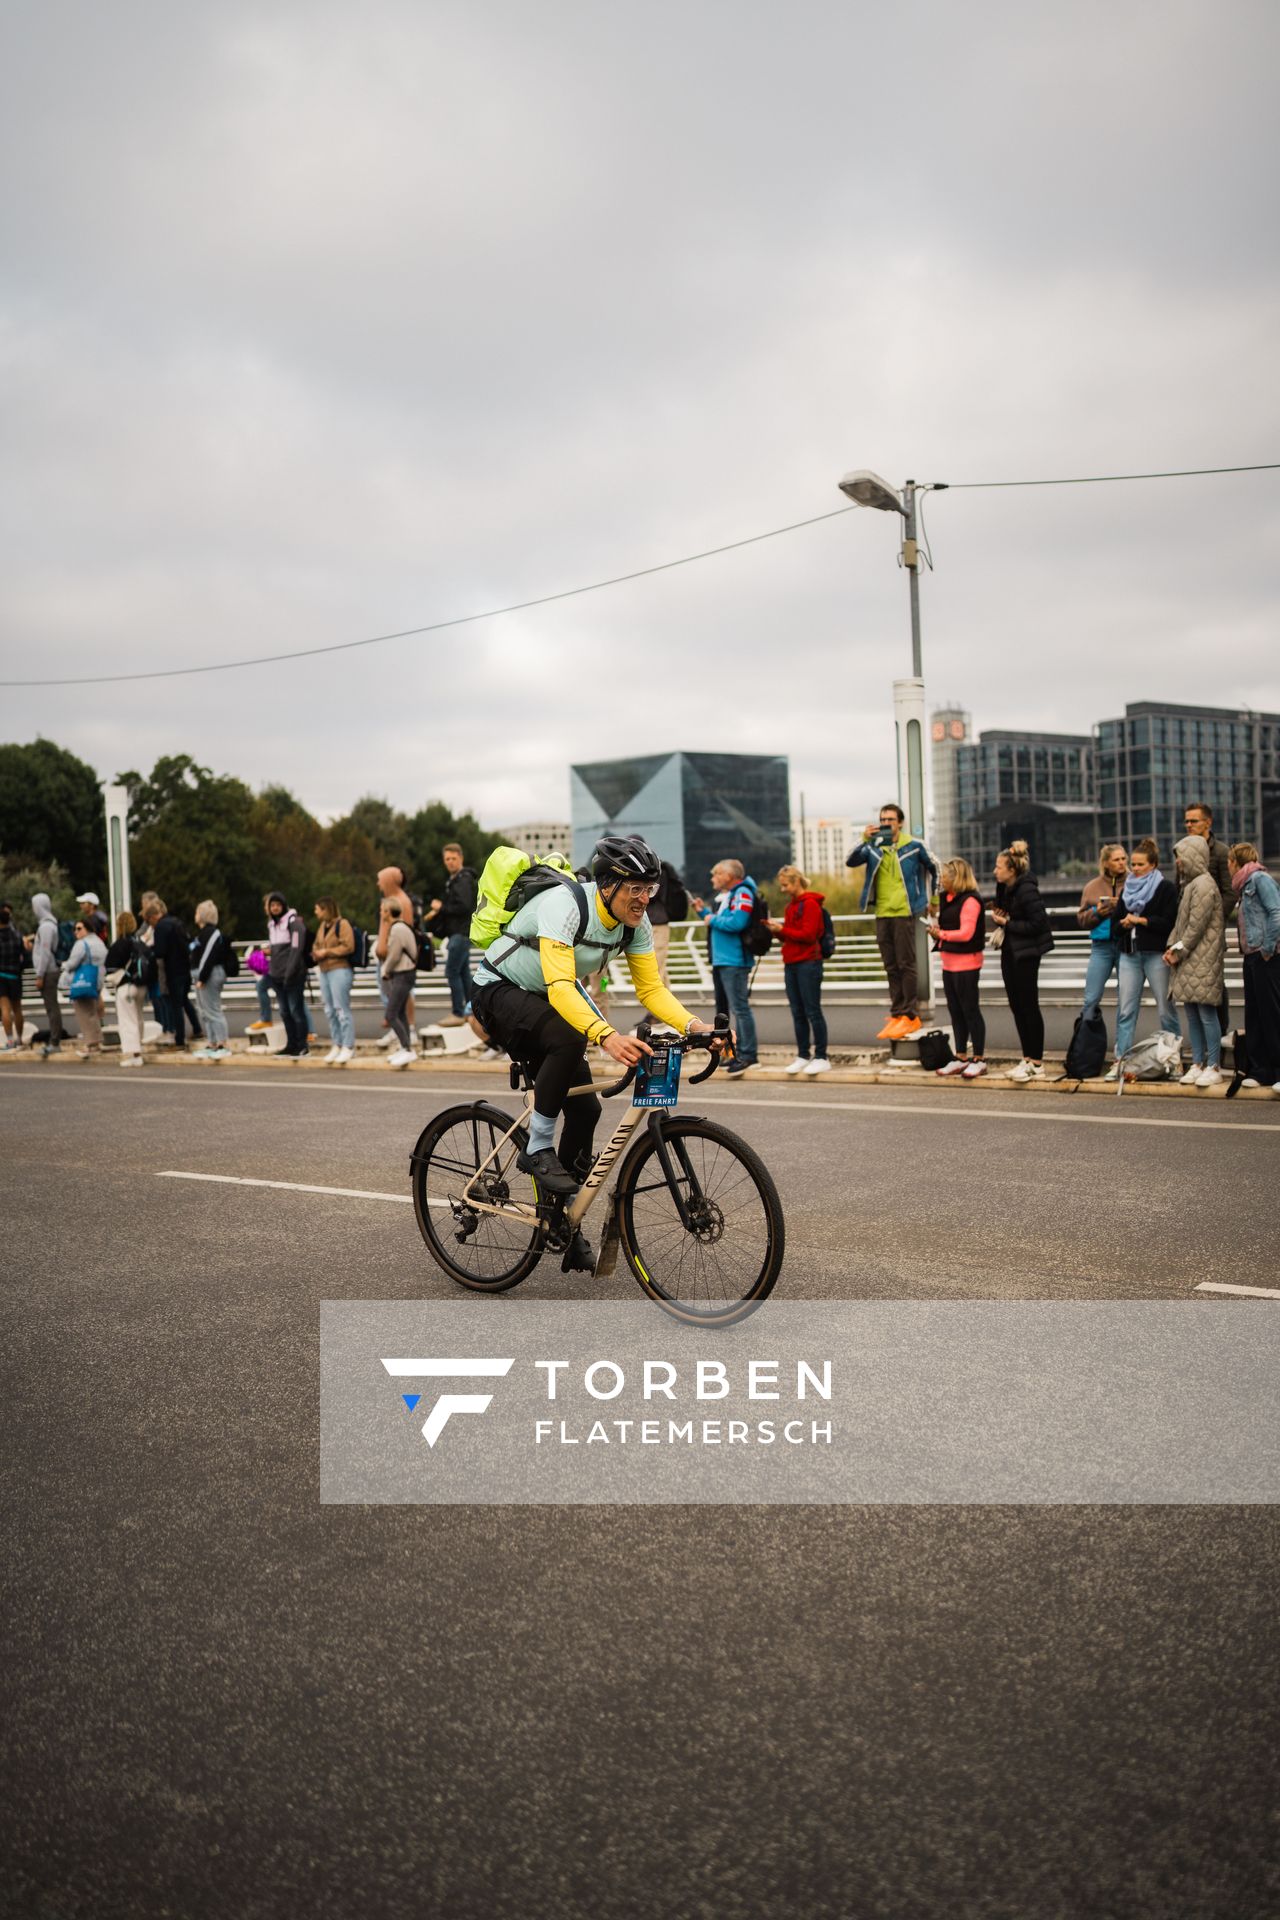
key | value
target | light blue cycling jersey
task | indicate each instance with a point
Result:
(553, 915)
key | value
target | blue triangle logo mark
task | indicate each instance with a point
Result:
(411, 1400)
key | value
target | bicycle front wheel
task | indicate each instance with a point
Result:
(720, 1266)
(484, 1251)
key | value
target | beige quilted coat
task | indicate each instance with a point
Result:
(1198, 976)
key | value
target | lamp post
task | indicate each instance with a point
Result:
(867, 489)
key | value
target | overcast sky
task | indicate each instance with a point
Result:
(318, 322)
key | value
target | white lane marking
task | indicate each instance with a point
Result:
(1254, 1293)
(449, 1369)
(949, 1107)
(294, 1186)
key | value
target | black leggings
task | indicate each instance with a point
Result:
(1022, 984)
(555, 1053)
(967, 1023)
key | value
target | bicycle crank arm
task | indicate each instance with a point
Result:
(607, 1258)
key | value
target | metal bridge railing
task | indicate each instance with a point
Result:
(853, 976)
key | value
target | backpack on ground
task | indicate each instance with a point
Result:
(1159, 1058)
(510, 879)
(65, 941)
(1087, 1053)
(935, 1049)
(827, 938)
(758, 936)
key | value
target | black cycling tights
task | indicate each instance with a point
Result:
(555, 1053)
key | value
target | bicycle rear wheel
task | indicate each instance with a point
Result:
(721, 1266)
(483, 1251)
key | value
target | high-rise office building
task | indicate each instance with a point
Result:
(694, 808)
(1160, 757)
(822, 846)
(539, 837)
(949, 729)
(1036, 787)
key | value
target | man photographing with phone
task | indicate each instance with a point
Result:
(901, 875)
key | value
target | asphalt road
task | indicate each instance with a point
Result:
(225, 1699)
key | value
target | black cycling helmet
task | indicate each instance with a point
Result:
(621, 857)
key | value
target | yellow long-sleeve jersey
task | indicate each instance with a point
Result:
(571, 1003)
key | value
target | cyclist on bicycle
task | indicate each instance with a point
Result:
(530, 998)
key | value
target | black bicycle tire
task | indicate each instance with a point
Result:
(437, 1247)
(775, 1249)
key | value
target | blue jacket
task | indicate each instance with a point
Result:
(1260, 913)
(919, 870)
(729, 924)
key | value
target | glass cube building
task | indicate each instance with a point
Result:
(694, 808)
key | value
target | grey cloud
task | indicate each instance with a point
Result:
(316, 325)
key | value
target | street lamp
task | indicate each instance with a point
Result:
(867, 489)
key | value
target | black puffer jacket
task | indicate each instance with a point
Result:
(1027, 931)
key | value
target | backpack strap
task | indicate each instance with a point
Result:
(579, 893)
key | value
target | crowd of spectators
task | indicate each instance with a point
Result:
(1163, 935)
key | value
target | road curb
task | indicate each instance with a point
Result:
(485, 1072)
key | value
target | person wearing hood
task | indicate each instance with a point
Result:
(1196, 953)
(800, 931)
(391, 887)
(1258, 932)
(287, 944)
(44, 966)
(1148, 909)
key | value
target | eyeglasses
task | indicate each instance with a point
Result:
(638, 889)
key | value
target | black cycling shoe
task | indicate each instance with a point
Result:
(547, 1171)
(580, 1255)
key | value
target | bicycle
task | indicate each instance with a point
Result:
(694, 1208)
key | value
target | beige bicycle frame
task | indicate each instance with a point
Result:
(587, 1192)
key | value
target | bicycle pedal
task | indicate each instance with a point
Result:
(579, 1257)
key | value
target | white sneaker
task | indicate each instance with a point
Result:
(952, 1068)
(490, 1053)
(342, 1056)
(1027, 1070)
(798, 1065)
(816, 1066)
(1209, 1077)
(1251, 1083)
(331, 1056)
(1114, 1073)
(388, 1040)
(974, 1069)
(1191, 1077)
(401, 1058)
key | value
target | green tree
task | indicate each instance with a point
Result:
(386, 830)
(193, 839)
(429, 832)
(51, 810)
